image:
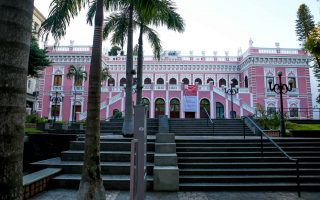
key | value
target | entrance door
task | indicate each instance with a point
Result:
(219, 110)
(204, 105)
(159, 108)
(174, 108)
(146, 102)
(190, 115)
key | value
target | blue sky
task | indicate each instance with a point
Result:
(215, 25)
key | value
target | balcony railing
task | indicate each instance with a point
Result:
(174, 87)
(78, 88)
(147, 87)
(243, 90)
(160, 87)
(203, 87)
(57, 88)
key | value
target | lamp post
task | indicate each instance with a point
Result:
(280, 88)
(232, 91)
(55, 99)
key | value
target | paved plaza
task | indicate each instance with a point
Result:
(64, 194)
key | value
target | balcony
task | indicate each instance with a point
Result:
(294, 92)
(203, 87)
(160, 87)
(269, 93)
(174, 87)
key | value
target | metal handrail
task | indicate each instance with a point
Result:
(279, 148)
(208, 118)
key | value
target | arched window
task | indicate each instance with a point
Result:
(293, 81)
(146, 102)
(199, 81)
(222, 82)
(246, 82)
(111, 82)
(147, 81)
(234, 82)
(210, 80)
(159, 108)
(185, 81)
(174, 108)
(204, 106)
(173, 81)
(160, 81)
(122, 81)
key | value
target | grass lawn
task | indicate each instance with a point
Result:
(293, 126)
(32, 130)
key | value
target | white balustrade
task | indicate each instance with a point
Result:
(147, 87)
(56, 88)
(160, 87)
(116, 88)
(104, 89)
(203, 87)
(78, 88)
(174, 87)
(243, 90)
(115, 98)
(219, 91)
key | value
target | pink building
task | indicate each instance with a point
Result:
(166, 80)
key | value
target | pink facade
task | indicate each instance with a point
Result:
(165, 80)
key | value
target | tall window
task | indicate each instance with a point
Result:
(173, 81)
(160, 81)
(293, 80)
(146, 102)
(246, 82)
(222, 82)
(185, 81)
(267, 81)
(199, 81)
(204, 108)
(294, 112)
(57, 80)
(55, 110)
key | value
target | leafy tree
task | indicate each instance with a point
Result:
(114, 51)
(304, 22)
(15, 29)
(79, 75)
(38, 59)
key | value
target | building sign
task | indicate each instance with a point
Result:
(190, 100)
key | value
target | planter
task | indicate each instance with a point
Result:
(272, 133)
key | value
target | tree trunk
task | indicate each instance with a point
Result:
(127, 128)
(91, 185)
(140, 67)
(15, 29)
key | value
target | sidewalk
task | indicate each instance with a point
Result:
(66, 194)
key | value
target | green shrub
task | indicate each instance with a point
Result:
(117, 115)
(34, 118)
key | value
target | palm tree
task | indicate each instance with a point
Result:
(105, 75)
(126, 21)
(14, 54)
(165, 15)
(79, 75)
(91, 186)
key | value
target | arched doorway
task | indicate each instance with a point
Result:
(199, 81)
(122, 81)
(173, 81)
(174, 108)
(210, 80)
(160, 81)
(159, 108)
(146, 102)
(111, 82)
(147, 81)
(185, 81)
(204, 105)
(219, 110)
(234, 82)
(222, 82)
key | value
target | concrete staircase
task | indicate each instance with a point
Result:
(115, 164)
(114, 126)
(237, 164)
(199, 127)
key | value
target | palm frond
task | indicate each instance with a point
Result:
(154, 40)
(60, 15)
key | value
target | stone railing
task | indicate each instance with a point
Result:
(115, 98)
(160, 87)
(78, 88)
(57, 88)
(83, 115)
(203, 87)
(174, 87)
